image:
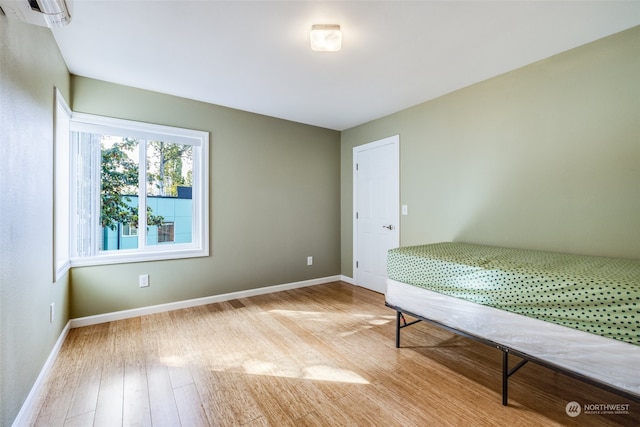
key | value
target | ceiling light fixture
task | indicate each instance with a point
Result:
(326, 38)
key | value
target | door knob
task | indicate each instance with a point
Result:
(389, 227)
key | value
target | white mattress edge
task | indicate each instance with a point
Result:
(604, 359)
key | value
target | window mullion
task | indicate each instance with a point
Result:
(76, 239)
(142, 194)
(96, 169)
(197, 224)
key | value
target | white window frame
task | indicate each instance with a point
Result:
(61, 189)
(199, 246)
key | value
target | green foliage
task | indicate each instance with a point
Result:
(168, 160)
(119, 178)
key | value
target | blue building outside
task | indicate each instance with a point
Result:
(177, 214)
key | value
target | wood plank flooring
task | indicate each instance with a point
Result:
(317, 356)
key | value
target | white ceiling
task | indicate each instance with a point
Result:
(255, 55)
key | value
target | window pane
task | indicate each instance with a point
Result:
(85, 192)
(118, 192)
(169, 196)
(166, 232)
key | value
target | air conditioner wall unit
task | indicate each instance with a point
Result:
(45, 13)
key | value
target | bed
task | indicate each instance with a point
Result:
(576, 314)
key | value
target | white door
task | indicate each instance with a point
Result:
(376, 203)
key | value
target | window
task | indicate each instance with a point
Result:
(140, 191)
(129, 230)
(165, 232)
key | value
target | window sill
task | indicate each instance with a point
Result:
(126, 257)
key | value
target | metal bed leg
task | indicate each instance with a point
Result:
(505, 377)
(398, 314)
(506, 373)
(400, 317)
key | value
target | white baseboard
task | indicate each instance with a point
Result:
(135, 312)
(29, 404)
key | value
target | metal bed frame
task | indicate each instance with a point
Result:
(506, 372)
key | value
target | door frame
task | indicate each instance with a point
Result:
(395, 141)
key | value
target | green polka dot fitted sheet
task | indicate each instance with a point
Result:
(593, 294)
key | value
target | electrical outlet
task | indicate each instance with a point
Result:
(143, 280)
(52, 312)
(309, 260)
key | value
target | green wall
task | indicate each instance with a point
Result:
(544, 157)
(274, 189)
(30, 67)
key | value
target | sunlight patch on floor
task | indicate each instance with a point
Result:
(313, 372)
(329, 373)
(374, 319)
(350, 320)
(174, 361)
(241, 363)
(271, 369)
(318, 316)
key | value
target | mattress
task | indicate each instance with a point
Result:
(596, 295)
(609, 361)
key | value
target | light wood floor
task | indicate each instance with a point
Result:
(317, 356)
